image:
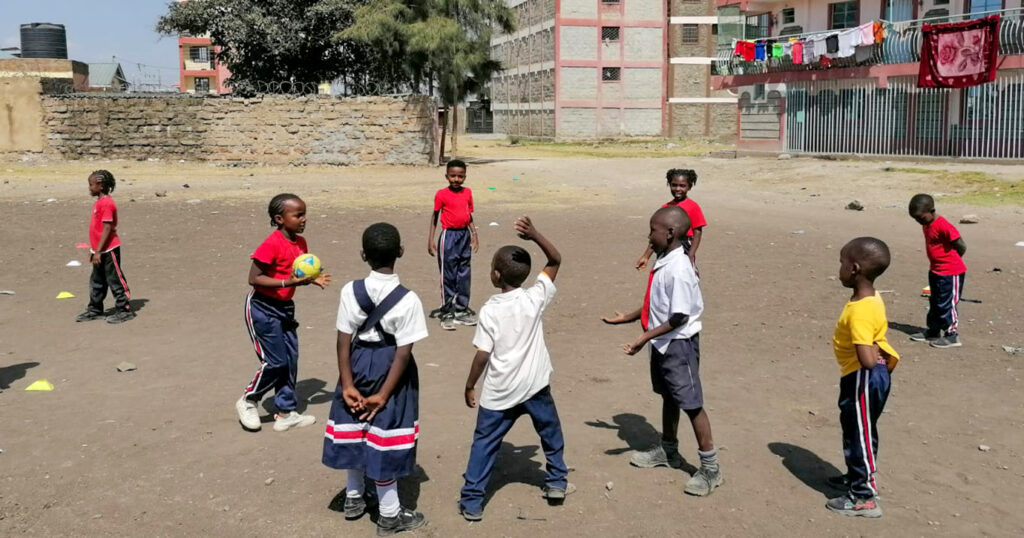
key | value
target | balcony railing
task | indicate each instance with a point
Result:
(902, 44)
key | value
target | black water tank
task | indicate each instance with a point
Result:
(44, 40)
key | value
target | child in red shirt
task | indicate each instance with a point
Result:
(270, 316)
(680, 182)
(453, 205)
(105, 254)
(946, 273)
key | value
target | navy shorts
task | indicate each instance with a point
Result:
(675, 374)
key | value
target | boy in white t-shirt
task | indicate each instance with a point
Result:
(510, 346)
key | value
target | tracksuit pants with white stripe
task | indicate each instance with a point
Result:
(942, 301)
(108, 275)
(862, 396)
(271, 324)
(453, 257)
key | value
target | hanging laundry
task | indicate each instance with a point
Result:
(777, 50)
(745, 49)
(878, 32)
(863, 53)
(787, 50)
(798, 52)
(847, 43)
(866, 34)
(759, 50)
(959, 54)
(832, 44)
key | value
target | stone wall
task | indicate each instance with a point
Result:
(20, 129)
(270, 129)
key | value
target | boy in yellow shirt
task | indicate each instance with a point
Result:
(865, 359)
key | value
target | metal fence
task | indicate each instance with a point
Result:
(842, 116)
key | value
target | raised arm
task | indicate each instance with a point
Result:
(526, 230)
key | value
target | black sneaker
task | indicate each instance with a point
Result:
(437, 312)
(557, 495)
(89, 315)
(406, 520)
(120, 316)
(950, 340)
(466, 317)
(448, 322)
(355, 507)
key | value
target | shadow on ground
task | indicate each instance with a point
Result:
(14, 372)
(638, 434)
(807, 466)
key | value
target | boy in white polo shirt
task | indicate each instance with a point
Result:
(670, 317)
(510, 346)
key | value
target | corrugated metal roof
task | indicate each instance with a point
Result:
(102, 74)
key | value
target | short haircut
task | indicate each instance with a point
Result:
(455, 163)
(381, 245)
(871, 254)
(107, 182)
(922, 203)
(513, 264)
(685, 173)
(674, 217)
(276, 205)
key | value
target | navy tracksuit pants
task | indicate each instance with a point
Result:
(271, 323)
(491, 427)
(942, 301)
(862, 396)
(453, 257)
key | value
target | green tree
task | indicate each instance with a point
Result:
(275, 41)
(443, 42)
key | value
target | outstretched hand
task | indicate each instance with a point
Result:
(618, 318)
(524, 227)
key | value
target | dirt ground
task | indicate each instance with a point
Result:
(158, 451)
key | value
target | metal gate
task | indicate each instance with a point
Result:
(855, 116)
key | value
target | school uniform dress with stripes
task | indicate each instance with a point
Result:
(270, 321)
(862, 392)
(382, 316)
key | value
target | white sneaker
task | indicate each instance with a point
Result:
(247, 415)
(293, 420)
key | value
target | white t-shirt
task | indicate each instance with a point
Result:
(511, 330)
(405, 321)
(675, 290)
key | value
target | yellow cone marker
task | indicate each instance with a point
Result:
(41, 385)
(65, 295)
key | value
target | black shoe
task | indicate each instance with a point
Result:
(406, 520)
(89, 315)
(926, 336)
(120, 317)
(471, 516)
(437, 312)
(355, 507)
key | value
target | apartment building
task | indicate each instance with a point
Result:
(200, 72)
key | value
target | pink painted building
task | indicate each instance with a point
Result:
(199, 70)
(870, 103)
(602, 68)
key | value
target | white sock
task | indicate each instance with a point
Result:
(356, 484)
(388, 495)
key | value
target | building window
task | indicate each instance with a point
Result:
(788, 15)
(690, 34)
(199, 54)
(202, 85)
(843, 15)
(609, 1)
(610, 33)
(759, 92)
(941, 2)
(759, 26)
(983, 8)
(611, 74)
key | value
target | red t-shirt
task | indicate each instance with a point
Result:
(693, 211)
(938, 241)
(455, 207)
(278, 254)
(103, 211)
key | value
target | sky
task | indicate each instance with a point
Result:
(100, 29)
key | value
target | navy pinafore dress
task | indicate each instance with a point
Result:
(386, 446)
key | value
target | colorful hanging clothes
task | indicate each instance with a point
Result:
(745, 49)
(777, 50)
(798, 52)
(759, 50)
(867, 35)
(848, 41)
(832, 44)
(959, 54)
(878, 31)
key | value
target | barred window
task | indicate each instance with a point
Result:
(788, 15)
(690, 34)
(611, 74)
(610, 33)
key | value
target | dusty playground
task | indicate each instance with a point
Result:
(158, 451)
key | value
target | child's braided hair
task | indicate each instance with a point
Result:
(686, 173)
(107, 182)
(276, 206)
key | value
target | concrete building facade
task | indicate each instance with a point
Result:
(199, 70)
(609, 68)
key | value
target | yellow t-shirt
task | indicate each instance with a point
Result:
(861, 323)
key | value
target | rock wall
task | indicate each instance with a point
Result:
(269, 129)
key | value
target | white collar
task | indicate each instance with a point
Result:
(374, 275)
(666, 259)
